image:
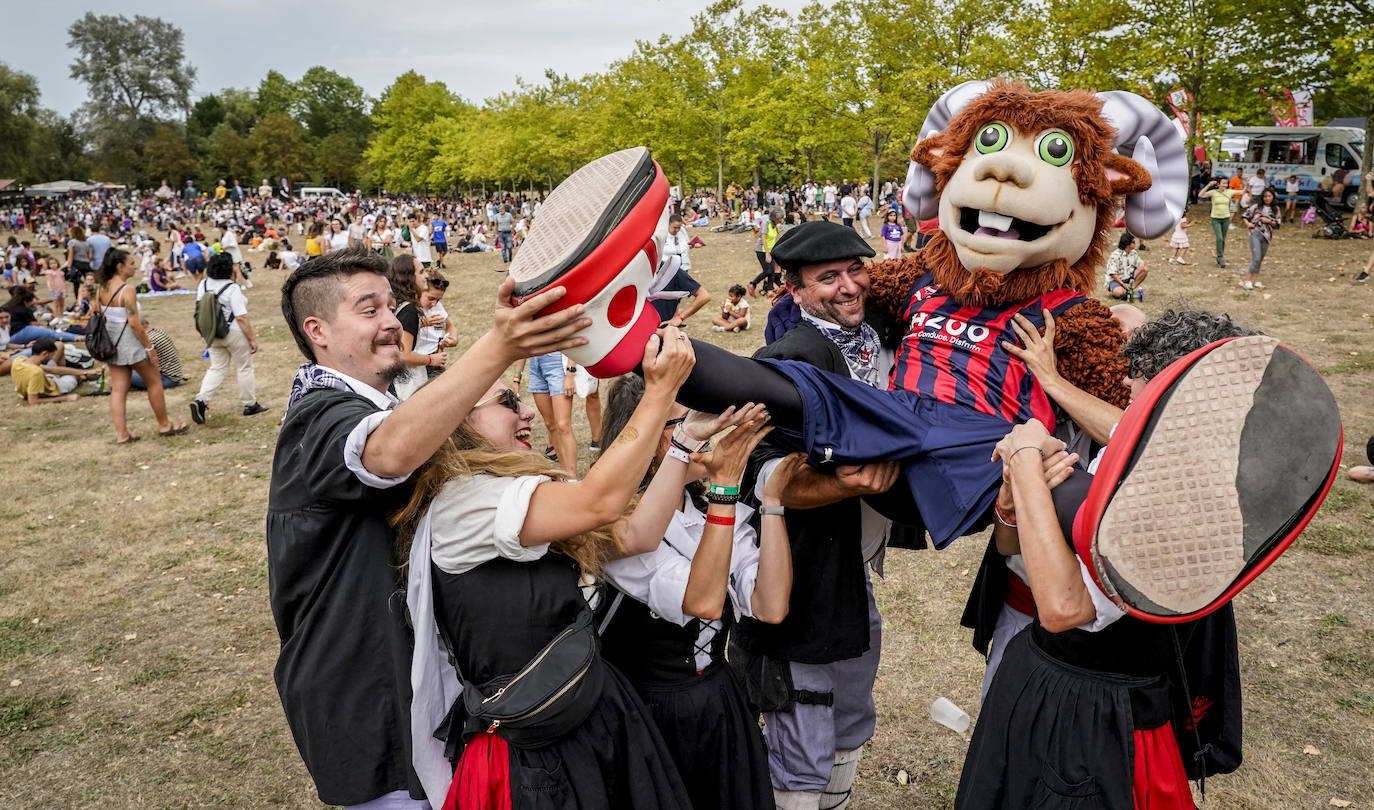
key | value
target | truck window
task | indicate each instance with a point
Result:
(1303, 152)
(1338, 157)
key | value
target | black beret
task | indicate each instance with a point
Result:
(816, 241)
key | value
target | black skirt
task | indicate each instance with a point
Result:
(1052, 735)
(714, 738)
(615, 760)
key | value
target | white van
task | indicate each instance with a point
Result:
(322, 193)
(1311, 153)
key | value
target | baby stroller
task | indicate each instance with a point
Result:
(1335, 223)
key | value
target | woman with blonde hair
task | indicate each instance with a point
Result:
(500, 544)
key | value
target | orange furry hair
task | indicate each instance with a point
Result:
(1079, 114)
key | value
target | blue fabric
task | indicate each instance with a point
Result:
(681, 282)
(136, 381)
(783, 317)
(945, 448)
(546, 374)
(31, 333)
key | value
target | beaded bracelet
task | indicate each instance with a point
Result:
(1002, 516)
(723, 500)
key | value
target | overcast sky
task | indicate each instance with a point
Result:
(477, 49)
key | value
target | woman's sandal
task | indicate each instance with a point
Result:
(176, 431)
(132, 438)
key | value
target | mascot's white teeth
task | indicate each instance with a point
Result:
(997, 222)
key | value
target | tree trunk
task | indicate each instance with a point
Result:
(681, 178)
(720, 176)
(877, 160)
(1366, 159)
(757, 184)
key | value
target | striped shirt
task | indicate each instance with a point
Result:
(954, 353)
(168, 361)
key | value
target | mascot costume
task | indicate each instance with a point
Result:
(1026, 186)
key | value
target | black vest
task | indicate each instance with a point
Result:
(827, 615)
(650, 649)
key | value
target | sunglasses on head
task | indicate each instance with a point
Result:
(507, 398)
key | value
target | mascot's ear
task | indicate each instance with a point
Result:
(1125, 175)
(928, 150)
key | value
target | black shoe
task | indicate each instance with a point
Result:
(1362, 277)
(198, 409)
(254, 409)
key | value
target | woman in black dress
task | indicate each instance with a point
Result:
(408, 279)
(1080, 712)
(500, 544)
(669, 612)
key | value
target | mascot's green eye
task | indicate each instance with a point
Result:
(992, 138)
(1055, 148)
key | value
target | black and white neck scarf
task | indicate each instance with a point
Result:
(859, 347)
(311, 376)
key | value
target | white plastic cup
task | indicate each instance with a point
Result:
(947, 714)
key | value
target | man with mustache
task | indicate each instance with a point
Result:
(829, 643)
(343, 459)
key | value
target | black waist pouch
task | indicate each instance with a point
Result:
(767, 681)
(549, 697)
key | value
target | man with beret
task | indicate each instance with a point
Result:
(827, 648)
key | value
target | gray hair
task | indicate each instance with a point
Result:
(1178, 332)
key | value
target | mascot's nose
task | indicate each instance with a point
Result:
(1005, 168)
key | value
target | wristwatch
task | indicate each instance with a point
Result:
(773, 510)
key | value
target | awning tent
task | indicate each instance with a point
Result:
(56, 188)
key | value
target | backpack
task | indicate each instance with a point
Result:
(211, 322)
(98, 341)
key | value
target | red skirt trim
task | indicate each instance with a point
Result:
(1019, 596)
(1159, 781)
(482, 780)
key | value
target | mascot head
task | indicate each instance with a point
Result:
(1026, 185)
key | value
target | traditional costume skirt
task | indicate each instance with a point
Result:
(714, 738)
(616, 760)
(1052, 735)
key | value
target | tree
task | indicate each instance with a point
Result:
(18, 111)
(407, 124)
(136, 74)
(279, 147)
(276, 94)
(167, 156)
(206, 114)
(338, 157)
(55, 150)
(327, 103)
(230, 155)
(132, 68)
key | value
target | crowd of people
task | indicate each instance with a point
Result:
(636, 575)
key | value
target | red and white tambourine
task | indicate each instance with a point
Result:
(600, 234)
(1212, 473)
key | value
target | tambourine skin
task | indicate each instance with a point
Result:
(613, 281)
(1212, 473)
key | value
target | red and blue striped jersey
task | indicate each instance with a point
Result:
(954, 353)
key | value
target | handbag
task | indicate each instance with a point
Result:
(549, 697)
(98, 341)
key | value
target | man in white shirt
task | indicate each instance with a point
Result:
(828, 195)
(1256, 185)
(675, 243)
(849, 208)
(419, 239)
(238, 346)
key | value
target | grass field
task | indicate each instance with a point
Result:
(136, 643)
